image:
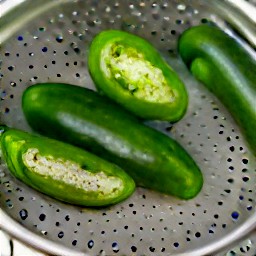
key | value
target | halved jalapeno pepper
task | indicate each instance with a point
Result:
(63, 171)
(130, 71)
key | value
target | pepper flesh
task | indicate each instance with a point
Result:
(135, 74)
(130, 71)
(227, 70)
(83, 117)
(63, 171)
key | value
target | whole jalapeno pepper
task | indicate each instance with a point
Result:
(63, 171)
(89, 120)
(226, 69)
(130, 71)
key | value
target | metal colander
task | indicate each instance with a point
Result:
(47, 41)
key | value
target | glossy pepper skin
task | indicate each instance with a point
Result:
(130, 71)
(227, 70)
(63, 171)
(89, 120)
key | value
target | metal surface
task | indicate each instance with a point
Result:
(245, 247)
(52, 46)
(241, 15)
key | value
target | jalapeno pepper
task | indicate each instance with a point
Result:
(227, 70)
(130, 71)
(85, 118)
(63, 171)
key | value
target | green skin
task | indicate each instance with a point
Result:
(15, 143)
(116, 88)
(227, 70)
(83, 117)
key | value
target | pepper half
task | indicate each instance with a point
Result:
(91, 121)
(63, 171)
(130, 71)
(227, 70)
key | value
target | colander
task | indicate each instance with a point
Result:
(47, 41)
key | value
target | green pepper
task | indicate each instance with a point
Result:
(226, 69)
(89, 120)
(63, 171)
(130, 71)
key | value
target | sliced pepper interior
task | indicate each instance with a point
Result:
(135, 74)
(71, 173)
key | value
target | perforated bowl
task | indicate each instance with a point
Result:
(47, 41)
